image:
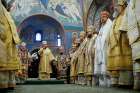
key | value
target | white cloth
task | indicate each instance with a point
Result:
(133, 28)
(100, 49)
(133, 31)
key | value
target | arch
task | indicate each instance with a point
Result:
(95, 7)
(47, 26)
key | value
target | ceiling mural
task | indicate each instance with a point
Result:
(68, 12)
(65, 10)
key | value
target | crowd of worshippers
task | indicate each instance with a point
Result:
(15, 58)
(111, 56)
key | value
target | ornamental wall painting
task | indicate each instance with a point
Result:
(65, 11)
(93, 12)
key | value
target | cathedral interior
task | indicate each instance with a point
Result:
(56, 22)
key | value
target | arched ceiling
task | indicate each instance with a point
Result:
(48, 27)
(67, 12)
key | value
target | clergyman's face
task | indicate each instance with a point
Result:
(89, 34)
(82, 37)
(44, 46)
(120, 8)
(104, 19)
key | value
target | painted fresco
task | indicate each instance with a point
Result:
(93, 13)
(25, 8)
(67, 12)
(48, 28)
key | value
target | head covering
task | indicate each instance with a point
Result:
(122, 2)
(44, 42)
(82, 33)
(74, 34)
(89, 28)
(23, 44)
(104, 14)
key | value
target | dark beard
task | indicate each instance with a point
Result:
(78, 44)
(89, 36)
(61, 53)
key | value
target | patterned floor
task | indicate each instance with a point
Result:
(67, 89)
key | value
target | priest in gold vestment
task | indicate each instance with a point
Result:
(119, 51)
(81, 58)
(133, 33)
(46, 57)
(89, 59)
(25, 59)
(74, 63)
(9, 38)
(136, 62)
(61, 64)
